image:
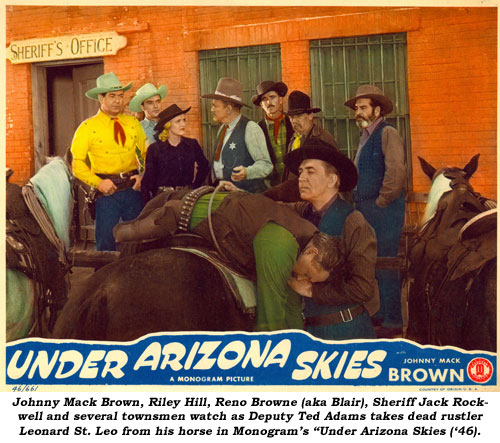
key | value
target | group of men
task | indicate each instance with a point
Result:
(286, 157)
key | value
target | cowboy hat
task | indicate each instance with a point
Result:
(300, 103)
(370, 91)
(143, 93)
(228, 89)
(266, 86)
(320, 150)
(106, 83)
(168, 114)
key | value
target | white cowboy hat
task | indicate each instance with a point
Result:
(143, 93)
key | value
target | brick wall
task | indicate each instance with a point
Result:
(452, 68)
(452, 81)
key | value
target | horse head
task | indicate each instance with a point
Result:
(451, 197)
(452, 203)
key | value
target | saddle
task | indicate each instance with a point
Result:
(478, 244)
(241, 286)
(29, 250)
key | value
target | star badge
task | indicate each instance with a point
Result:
(232, 145)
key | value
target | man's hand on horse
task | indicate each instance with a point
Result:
(137, 184)
(302, 287)
(106, 187)
(239, 173)
(228, 186)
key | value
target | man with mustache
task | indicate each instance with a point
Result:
(380, 194)
(276, 124)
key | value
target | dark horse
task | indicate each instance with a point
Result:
(452, 299)
(152, 291)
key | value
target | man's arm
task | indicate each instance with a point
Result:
(395, 169)
(359, 284)
(257, 148)
(79, 149)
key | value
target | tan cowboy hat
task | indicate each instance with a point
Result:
(320, 150)
(264, 87)
(370, 91)
(143, 93)
(106, 83)
(228, 89)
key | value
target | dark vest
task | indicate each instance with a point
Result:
(371, 166)
(332, 223)
(239, 156)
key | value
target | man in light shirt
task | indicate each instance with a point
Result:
(148, 99)
(241, 155)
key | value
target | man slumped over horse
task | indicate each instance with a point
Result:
(269, 241)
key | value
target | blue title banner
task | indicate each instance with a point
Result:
(278, 358)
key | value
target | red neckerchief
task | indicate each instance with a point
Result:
(277, 122)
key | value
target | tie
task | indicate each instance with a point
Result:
(277, 122)
(296, 142)
(119, 132)
(221, 141)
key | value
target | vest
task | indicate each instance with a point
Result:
(275, 178)
(332, 223)
(371, 166)
(238, 155)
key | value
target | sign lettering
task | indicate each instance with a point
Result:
(65, 47)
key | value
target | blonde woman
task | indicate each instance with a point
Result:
(171, 160)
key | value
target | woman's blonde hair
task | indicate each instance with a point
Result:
(164, 134)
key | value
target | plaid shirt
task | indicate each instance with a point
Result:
(279, 146)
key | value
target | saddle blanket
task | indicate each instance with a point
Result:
(243, 289)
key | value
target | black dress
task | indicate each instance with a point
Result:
(168, 165)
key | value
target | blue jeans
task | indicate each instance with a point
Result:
(387, 223)
(125, 205)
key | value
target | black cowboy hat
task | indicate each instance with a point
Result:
(266, 86)
(320, 150)
(300, 103)
(168, 114)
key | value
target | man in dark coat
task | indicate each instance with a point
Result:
(276, 124)
(307, 129)
(339, 308)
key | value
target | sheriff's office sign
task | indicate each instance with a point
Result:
(65, 47)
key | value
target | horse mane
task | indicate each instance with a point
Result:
(52, 185)
(440, 185)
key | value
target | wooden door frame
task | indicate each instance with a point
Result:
(40, 109)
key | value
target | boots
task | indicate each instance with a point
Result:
(152, 223)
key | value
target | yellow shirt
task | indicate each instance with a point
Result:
(95, 138)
